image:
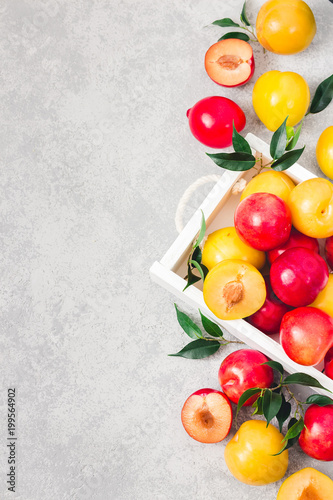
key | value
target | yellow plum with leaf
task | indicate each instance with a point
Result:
(251, 454)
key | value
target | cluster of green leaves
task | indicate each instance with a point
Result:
(202, 345)
(281, 149)
(194, 259)
(245, 25)
(273, 403)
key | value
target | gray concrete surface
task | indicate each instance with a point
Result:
(96, 153)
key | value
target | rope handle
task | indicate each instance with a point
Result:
(237, 188)
(187, 195)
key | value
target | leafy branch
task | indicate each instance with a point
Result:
(275, 402)
(202, 345)
(281, 150)
(245, 25)
(194, 259)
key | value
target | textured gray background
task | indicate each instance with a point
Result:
(96, 153)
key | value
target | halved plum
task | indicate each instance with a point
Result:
(207, 416)
(230, 62)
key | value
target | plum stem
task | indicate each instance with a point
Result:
(223, 340)
(261, 166)
(251, 31)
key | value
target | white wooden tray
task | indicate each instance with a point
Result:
(218, 208)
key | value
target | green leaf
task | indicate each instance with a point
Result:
(323, 95)
(233, 161)
(189, 327)
(319, 400)
(239, 143)
(275, 365)
(295, 429)
(303, 379)
(191, 278)
(291, 422)
(289, 158)
(267, 398)
(212, 328)
(235, 34)
(283, 412)
(282, 449)
(198, 349)
(271, 404)
(279, 141)
(204, 269)
(290, 132)
(197, 255)
(247, 395)
(258, 406)
(292, 441)
(243, 16)
(202, 231)
(199, 268)
(295, 137)
(226, 22)
(288, 442)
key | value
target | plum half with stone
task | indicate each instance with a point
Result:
(207, 416)
(230, 62)
(234, 289)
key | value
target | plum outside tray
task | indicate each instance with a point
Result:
(218, 208)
